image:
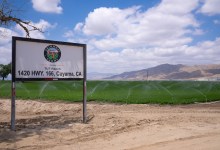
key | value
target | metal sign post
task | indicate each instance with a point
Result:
(13, 87)
(13, 106)
(84, 86)
(45, 60)
(84, 101)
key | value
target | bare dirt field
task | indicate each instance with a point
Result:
(57, 125)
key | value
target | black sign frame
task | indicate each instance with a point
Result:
(14, 79)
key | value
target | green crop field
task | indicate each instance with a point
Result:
(139, 92)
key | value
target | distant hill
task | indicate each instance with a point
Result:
(98, 76)
(172, 72)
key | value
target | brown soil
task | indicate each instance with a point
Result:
(58, 125)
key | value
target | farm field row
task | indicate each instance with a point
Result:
(130, 92)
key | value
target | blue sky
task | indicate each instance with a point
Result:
(125, 35)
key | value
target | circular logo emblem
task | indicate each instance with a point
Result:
(52, 53)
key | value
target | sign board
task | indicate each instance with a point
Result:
(36, 59)
(48, 60)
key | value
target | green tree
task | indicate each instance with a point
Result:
(5, 70)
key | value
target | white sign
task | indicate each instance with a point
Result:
(35, 59)
(52, 60)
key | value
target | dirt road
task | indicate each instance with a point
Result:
(57, 125)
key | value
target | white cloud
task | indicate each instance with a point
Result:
(178, 7)
(6, 37)
(78, 26)
(104, 21)
(130, 39)
(71, 33)
(68, 34)
(210, 7)
(5, 45)
(47, 6)
(206, 52)
(198, 32)
(131, 27)
(216, 21)
(5, 54)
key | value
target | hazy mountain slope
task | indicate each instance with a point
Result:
(98, 76)
(171, 72)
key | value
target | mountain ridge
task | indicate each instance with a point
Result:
(172, 72)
